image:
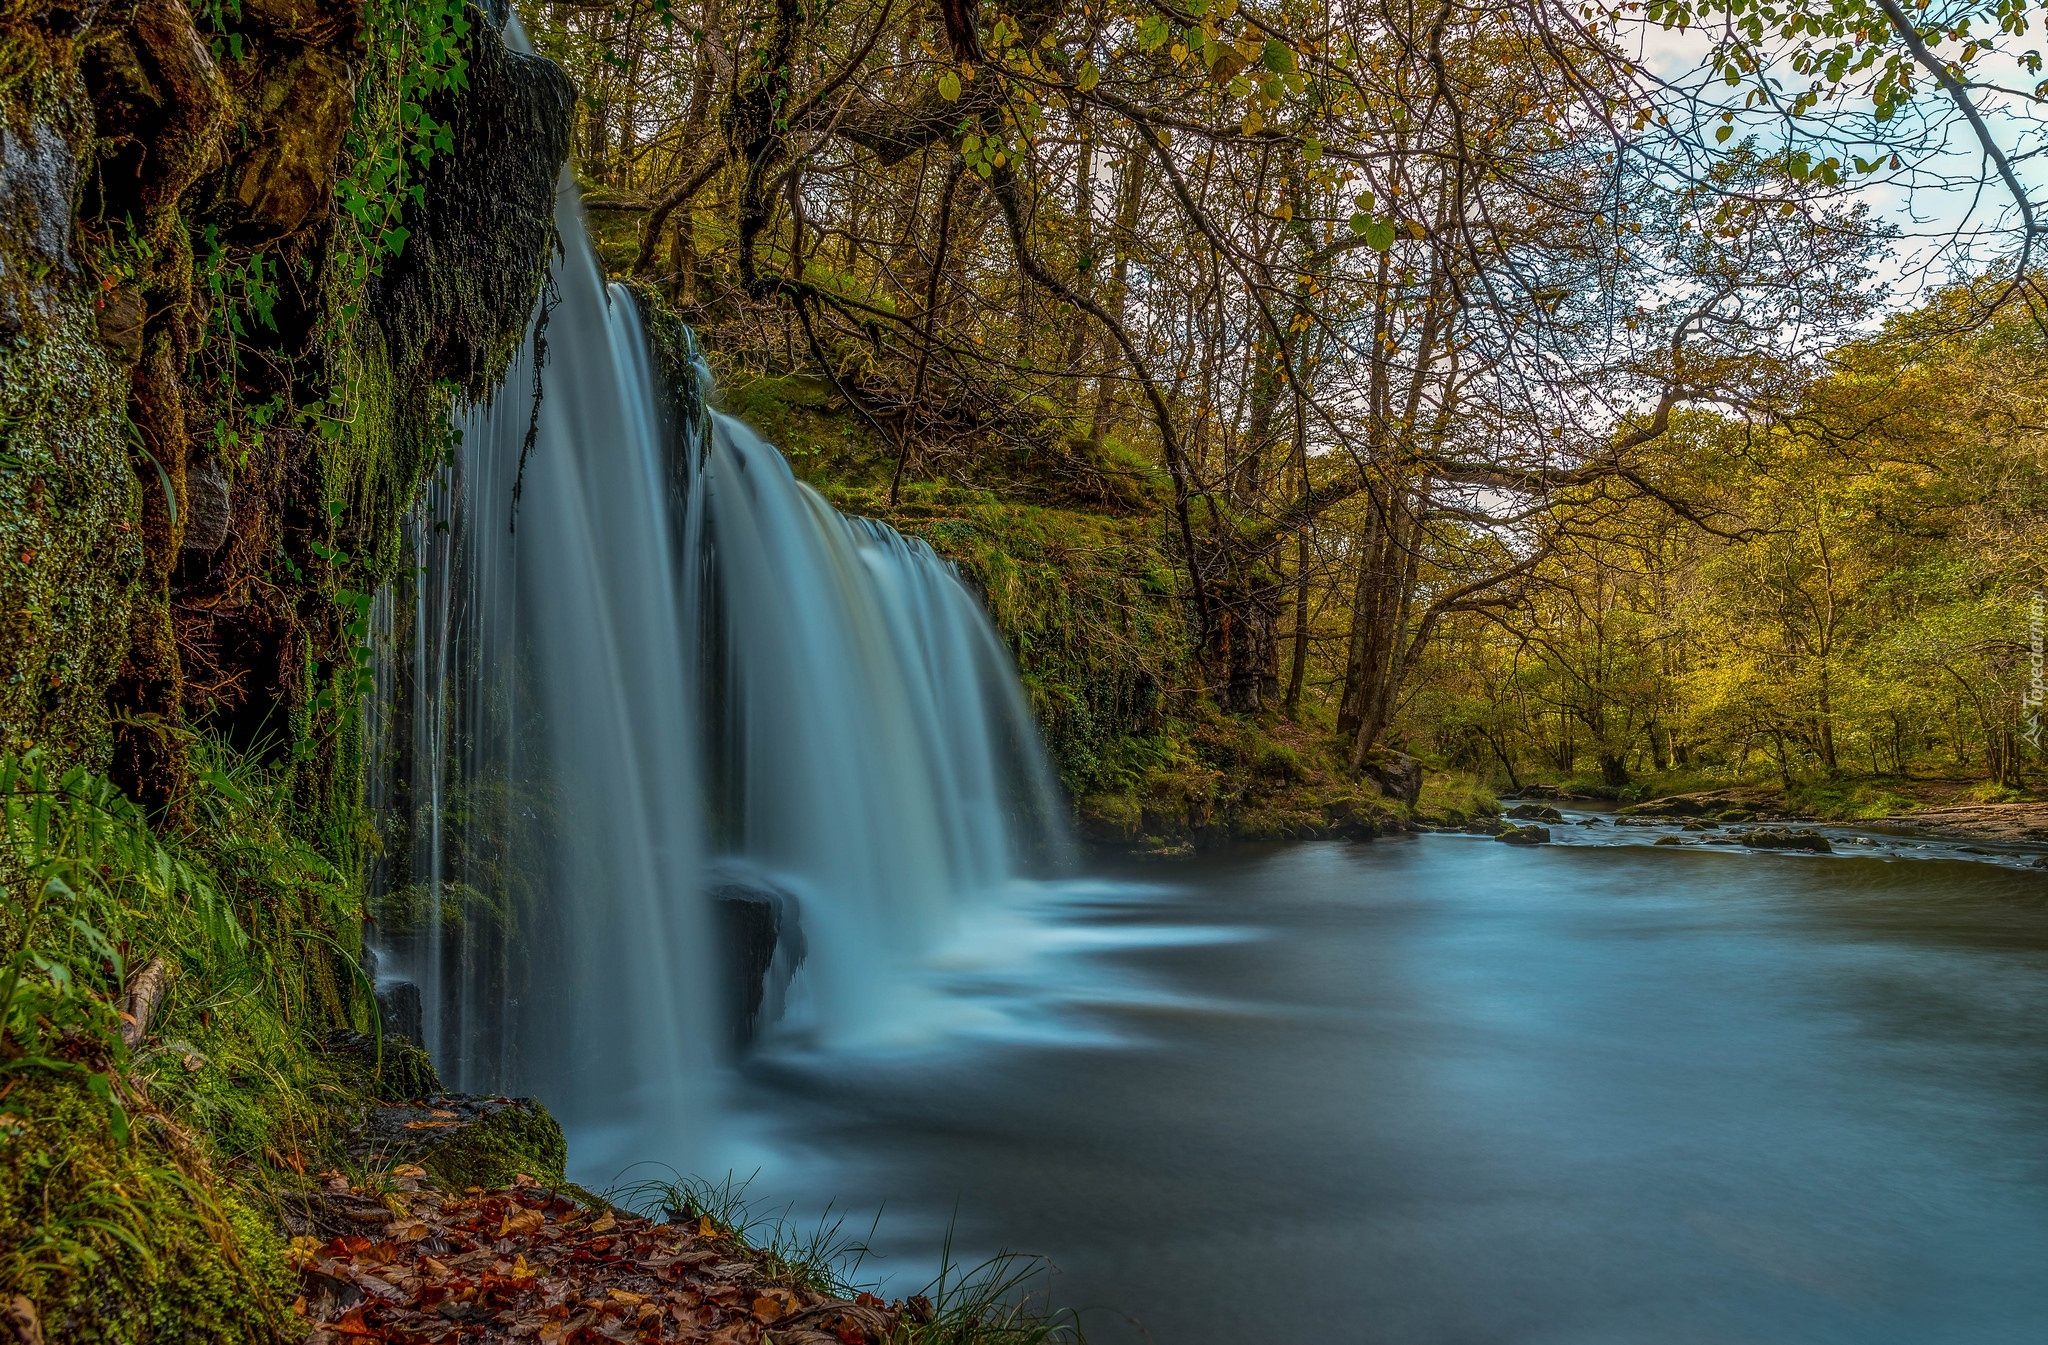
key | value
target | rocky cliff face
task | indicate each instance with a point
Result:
(234, 310)
(251, 253)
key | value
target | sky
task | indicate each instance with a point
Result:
(1949, 208)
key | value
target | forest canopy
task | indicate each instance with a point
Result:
(1535, 387)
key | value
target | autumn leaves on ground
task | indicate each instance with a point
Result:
(530, 1263)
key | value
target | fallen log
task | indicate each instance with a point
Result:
(139, 1003)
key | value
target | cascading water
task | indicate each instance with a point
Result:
(552, 922)
(624, 633)
(870, 751)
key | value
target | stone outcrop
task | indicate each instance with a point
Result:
(165, 498)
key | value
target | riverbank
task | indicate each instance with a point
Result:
(1943, 809)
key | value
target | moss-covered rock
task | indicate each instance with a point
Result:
(466, 1141)
(205, 460)
(453, 305)
(70, 551)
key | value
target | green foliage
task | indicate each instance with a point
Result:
(415, 51)
(112, 1212)
(85, 860)
(1861, 609)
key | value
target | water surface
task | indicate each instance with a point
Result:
(1441, 1090)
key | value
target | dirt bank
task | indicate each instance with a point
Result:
(2001, 823)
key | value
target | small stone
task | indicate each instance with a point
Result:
(121, 315)
(208, 506)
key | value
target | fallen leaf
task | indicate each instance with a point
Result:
(378, 1287)
(521, 1222)
(605, 1224)
(767, 1309)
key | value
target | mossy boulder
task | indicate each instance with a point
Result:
(1778, 838)
(1397, 774)
(518, 1137)
(464, 1140)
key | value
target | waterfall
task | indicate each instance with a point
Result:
(641, 678)
(552, 923)
(869, 749)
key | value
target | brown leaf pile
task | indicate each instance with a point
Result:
(529, 1264)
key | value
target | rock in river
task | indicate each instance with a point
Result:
(1778, 838)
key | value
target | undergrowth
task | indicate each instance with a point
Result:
(140, 1187)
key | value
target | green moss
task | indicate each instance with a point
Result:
(124, 1242)
(1848, 800)
(70, 548)
(520, 1138)
(406, 1072)
(1454, 800)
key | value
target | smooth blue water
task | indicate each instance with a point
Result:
(1437, 1089)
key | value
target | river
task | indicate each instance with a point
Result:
(1435, 1089)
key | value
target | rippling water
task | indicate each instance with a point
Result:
(1441, 1090)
